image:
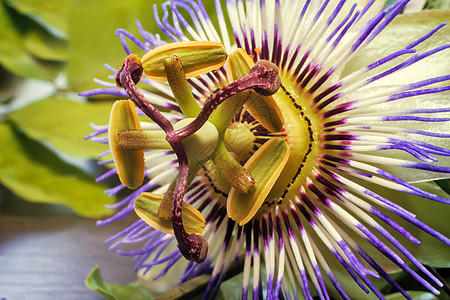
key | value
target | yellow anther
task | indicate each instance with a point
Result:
(265, 165)
(147, 205)
(129, 163)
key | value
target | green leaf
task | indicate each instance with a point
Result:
(94, 43)
(113, 291)
(13, 53)
(50, 12)
(444, 184)
(8, 86)
(437, 4)
(64, 123)
(34, 173)
(232, 288)
(415, 295)
(402, 31)
(43, 45)
(431, 252)
(39, 41)
(389, 3)
(193, 289)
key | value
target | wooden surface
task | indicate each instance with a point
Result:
(48, 257)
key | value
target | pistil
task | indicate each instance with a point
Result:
(127, 77)
(263, 78)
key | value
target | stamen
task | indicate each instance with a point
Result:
(129, 164)
(265, 165)
(197, 57)
(146, 207)
(235, 174)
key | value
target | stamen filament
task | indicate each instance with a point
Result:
(143, 140)
(180, 87)
(235, 174)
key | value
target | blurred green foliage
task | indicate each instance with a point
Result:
(37, 174)
(112, 291)
(62, 46)
(437, 4)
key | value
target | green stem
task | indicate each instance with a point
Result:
(225, 112)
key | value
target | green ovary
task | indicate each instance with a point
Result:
(239, 140)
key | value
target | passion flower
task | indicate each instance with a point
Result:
(291, 172)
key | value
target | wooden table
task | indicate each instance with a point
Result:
(48, 257)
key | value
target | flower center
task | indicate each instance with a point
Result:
(245, 135)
